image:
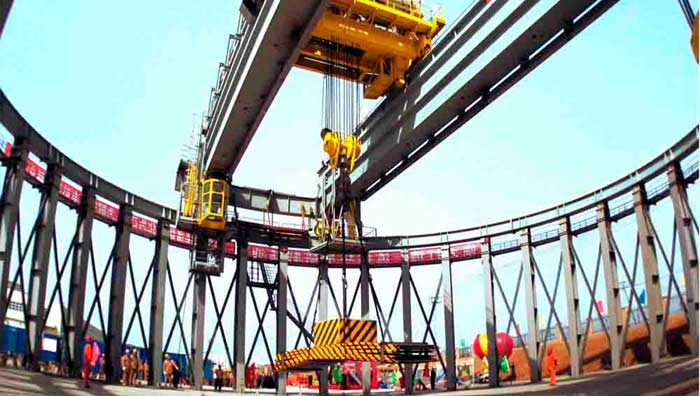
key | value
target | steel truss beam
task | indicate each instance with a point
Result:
(179, 304)
(551, 299)
(429, 320)
(672, 281)
(313, 301)
(261, 328)
(15, 171)
(138, 295)
(58, 290)
(97, 301)
(381, 319)
(219, 317)
(19, 272)
(510, 307)
(592, 305)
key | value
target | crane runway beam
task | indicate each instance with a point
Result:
(268, 51)
(395, 139)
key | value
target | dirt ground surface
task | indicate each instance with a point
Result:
(670, 377)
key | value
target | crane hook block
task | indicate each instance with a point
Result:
(331, 145)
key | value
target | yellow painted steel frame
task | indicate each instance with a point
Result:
(212, 204)
(391, 36)
(190, 190)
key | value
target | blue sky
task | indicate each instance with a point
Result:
(116, 87)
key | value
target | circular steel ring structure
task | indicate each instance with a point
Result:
(667, 175)
(645, 313)
(383, 251)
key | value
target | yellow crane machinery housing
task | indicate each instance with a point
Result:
(385, 37)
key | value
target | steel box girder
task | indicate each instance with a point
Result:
(270, 201)
(269, 50)
(391, 143)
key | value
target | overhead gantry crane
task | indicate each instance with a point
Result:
(365, 43)
(379, 44)
(369, 42)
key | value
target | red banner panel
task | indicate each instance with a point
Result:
(35, 171)
(106, 211)
(424, 255)
(70, 193)
(302, 257)
(262, 253)
(143, 227)
(337, 259)
(181, 238)
(384, 257)
(467, 250)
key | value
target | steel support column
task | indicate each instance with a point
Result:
(364, 311)
(323, 315)
(407, 320)
(689, 252)
(655, 308)
(155, 330)
(40, 265)
(490, 305)
(448, 307)
(574, 335)
(199, 296)
(9, 207)
(530, 272)
(281, 343)
(78, 277)
(116, 295)
(612, 285)
(239, 352)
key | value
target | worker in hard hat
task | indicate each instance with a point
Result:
(87, 359)
(550, 364)
(126, 367)
(167, 370)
